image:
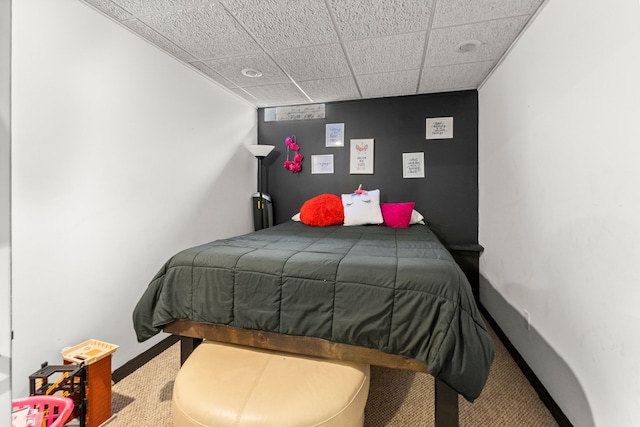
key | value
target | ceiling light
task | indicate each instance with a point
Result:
(467, 46)
(251, 72)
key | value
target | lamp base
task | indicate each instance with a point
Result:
(262, 211)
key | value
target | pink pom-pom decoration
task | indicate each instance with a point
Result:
(295, 165)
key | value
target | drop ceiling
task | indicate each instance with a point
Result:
(329, 50)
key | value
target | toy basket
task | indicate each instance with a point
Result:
(54, 409)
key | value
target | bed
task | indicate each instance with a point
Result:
(386, 296)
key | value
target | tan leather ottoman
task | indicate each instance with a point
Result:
(229, 385)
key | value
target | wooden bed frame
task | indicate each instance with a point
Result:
(192, 333)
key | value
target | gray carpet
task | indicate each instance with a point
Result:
(396, 398)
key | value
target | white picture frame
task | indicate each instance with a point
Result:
(439, 128)
(322, 164)
(361, 157)
(413, 165)
(334, 136)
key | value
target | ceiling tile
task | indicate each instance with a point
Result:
(390, 53)
(206, 32)
(157, 39)
(279, 94)
(388, 84)
(285, 24)
(333, 49)
(496, 36)
(359, 19)
(246, 96)
(231, 68)
(331, 89)
(313, 63)
(212, 74)
(110, 8)
(146, 7)
(458, 12)
(454, 77)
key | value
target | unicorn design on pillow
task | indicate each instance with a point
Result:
(362, 207)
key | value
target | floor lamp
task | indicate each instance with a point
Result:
(263, 200)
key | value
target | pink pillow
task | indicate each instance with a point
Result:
(397, 215)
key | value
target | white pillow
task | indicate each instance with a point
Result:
(361, 209)
(416, 218)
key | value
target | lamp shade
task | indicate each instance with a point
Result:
(260, 150)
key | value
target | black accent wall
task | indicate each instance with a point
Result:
(447, 196)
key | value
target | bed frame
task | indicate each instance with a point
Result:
(192, 333)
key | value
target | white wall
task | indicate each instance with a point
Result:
(121, 157)
(5, 209)
(560, 202)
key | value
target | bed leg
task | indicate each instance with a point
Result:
(187, 345)
(446, 405)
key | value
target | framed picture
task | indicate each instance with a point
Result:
(322, 163)
(413, 165)
(361, 161)
(334, 135)
(440, 128)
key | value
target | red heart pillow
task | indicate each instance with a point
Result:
(322, 210)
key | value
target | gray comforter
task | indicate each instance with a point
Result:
(396, 290)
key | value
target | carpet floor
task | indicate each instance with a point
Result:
(396, 397)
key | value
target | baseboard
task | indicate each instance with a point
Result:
(544, 395)
(143, 358)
